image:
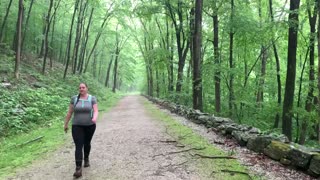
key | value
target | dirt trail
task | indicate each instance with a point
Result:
(123, 147)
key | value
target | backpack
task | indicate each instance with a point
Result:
(89, 99)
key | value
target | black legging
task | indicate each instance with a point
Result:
(82, 136)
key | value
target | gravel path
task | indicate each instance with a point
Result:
(125, 146)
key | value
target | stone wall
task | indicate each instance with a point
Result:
(276, 147)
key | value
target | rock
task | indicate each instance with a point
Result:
(231, 127)
(39, 85)
(314, 168)
(242, 137)
(299, 156)
(5, 85)
(204, 118)
(258, 143)
(277, 150)
(285, 161)
(254, 130)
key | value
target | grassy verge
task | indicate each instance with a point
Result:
(18, 152)
(211, 168)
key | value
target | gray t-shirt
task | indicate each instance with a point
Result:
(83, 111)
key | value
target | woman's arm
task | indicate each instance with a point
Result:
(68, 117)
(95, 113)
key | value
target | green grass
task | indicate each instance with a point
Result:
(211, 168)
(15, 154)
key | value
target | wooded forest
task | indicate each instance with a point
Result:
(255, 61)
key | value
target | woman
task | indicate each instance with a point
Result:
(85, 109)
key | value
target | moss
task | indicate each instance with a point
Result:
(208, 168)
(277, 150)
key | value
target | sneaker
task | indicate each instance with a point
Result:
(86, 163)
(78, 172)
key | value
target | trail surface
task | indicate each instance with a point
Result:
(125, 146)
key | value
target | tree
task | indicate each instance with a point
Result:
(231, 61)
(275, 51)
(197, 43)
(70, 38)
(287, 114)
(182, 39)
(5, 21)
(18, 50)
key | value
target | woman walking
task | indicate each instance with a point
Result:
(85, 113)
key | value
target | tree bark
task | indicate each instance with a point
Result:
(48, 23)
(291, 69)
(275, 51)
(70, 38)
(231, 63)
(26, 25)
(197, 44)
(18, 50)
(106, 84)
(318, 99)
(2, 31)
(84, 45)
(217, 73)
(78, 35)
(182, 40)
(108, 14)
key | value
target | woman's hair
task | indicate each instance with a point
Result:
(79, 94)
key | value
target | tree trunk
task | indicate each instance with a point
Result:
(26, 25)
(18, 50)
(182, 40)
(291, 70)
(217, 79)
(231, 63)
(108, 14)
(310, 97)
(48, 22)
(197, 43)
(318, 100)
(43, 33)
(84, 45)
(2, 31)
(115, 71)
(70, 38)
(275, 51)
(158, 83)
(78, 35)
(106, 84)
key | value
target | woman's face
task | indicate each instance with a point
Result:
(83, 89)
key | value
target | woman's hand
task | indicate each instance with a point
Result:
(94, 120)
(65, 128)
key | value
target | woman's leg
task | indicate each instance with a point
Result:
(89, 131)
(78, 138)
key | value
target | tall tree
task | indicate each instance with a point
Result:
(106, 18)
(318, 100)
(18, 50)
(197, 43)
(70, 38)
(291, 69)
(217, 73)
(182, 39)
(231, 62)
(26, 24)
(46, 44)
(264, 55)
(275, 51)
(309, 102)
(2, 30)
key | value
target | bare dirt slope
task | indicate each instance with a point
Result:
(125, 146)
